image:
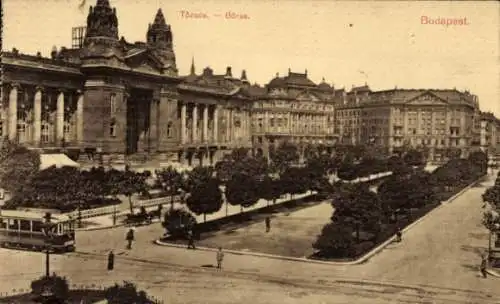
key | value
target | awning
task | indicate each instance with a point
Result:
(58, 160)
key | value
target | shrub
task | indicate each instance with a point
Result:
(58, 285)
(126, 293)
(177, 221)
(335, 240)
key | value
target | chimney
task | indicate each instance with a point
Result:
(244, 75)
(53, 53)
(228, 72)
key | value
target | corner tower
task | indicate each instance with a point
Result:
(160, 40)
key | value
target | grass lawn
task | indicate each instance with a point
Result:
(292, 233)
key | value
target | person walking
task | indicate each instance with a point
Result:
(111, 260)
(190, 240)
(268, 224)
(130, 238)
(484, 262)
(220, 257)
(399, 235)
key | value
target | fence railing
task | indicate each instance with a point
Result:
(115, 209)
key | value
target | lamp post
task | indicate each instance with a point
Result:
(47, 230)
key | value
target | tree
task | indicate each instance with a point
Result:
(491, 221)
(126, 293)
(492, 194)
(270, 189)
(357, 207)
(242, 190)
(176, 221)
(480, 160)
(414, 158)
(283, 156)
(296, 180)
(170, 181)
(396, 165)
(205, 198)
(198, 176)
(131, 183)
(453, 153)
(58, 285)
(335, 240)
(17, 166)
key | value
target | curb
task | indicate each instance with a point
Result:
(493, 272)
(355, 262)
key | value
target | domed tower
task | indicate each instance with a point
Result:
(102, 21)
(101, 37)
(159, 39)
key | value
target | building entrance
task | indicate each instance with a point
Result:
(138, 114)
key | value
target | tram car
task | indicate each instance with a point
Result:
(28, 230)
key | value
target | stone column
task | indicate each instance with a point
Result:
(60, 118)
(205, 123)
(37, 116)
(183, 123)
(216, 124)
(13, 112)
(79, 118)
(195, 123)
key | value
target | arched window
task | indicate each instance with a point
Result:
(169, 129)
(112, 128)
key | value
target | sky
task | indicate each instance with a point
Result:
(385, 44)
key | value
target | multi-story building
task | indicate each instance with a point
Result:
(489, 133)
(293, 108)
(435, 120)
(119, 98)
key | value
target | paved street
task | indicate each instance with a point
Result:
(442, 251)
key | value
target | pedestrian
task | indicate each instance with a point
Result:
(130, 238)
(111, 260)
(190, 240)
(220, 257)
(484, 262)
(399, 235)
(268, 224)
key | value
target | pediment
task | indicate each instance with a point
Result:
(278, 93)
(145, 61)
(426, 98)
(308, 96)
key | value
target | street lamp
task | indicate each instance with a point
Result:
(47, 231)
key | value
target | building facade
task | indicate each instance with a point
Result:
(432, 120)
(293, 109)
(117, 98)
(489, 139)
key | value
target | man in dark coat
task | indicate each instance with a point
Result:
(111, 260)
(268, 224)
(484, 263)
(191, 239)
(130, 238)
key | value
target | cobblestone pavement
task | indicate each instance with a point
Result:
(442, 253)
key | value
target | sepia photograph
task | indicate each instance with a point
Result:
(249, 151)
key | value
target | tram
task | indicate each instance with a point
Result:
(28, 230)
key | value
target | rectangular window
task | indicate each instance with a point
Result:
(112, 103)
(112, 130)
